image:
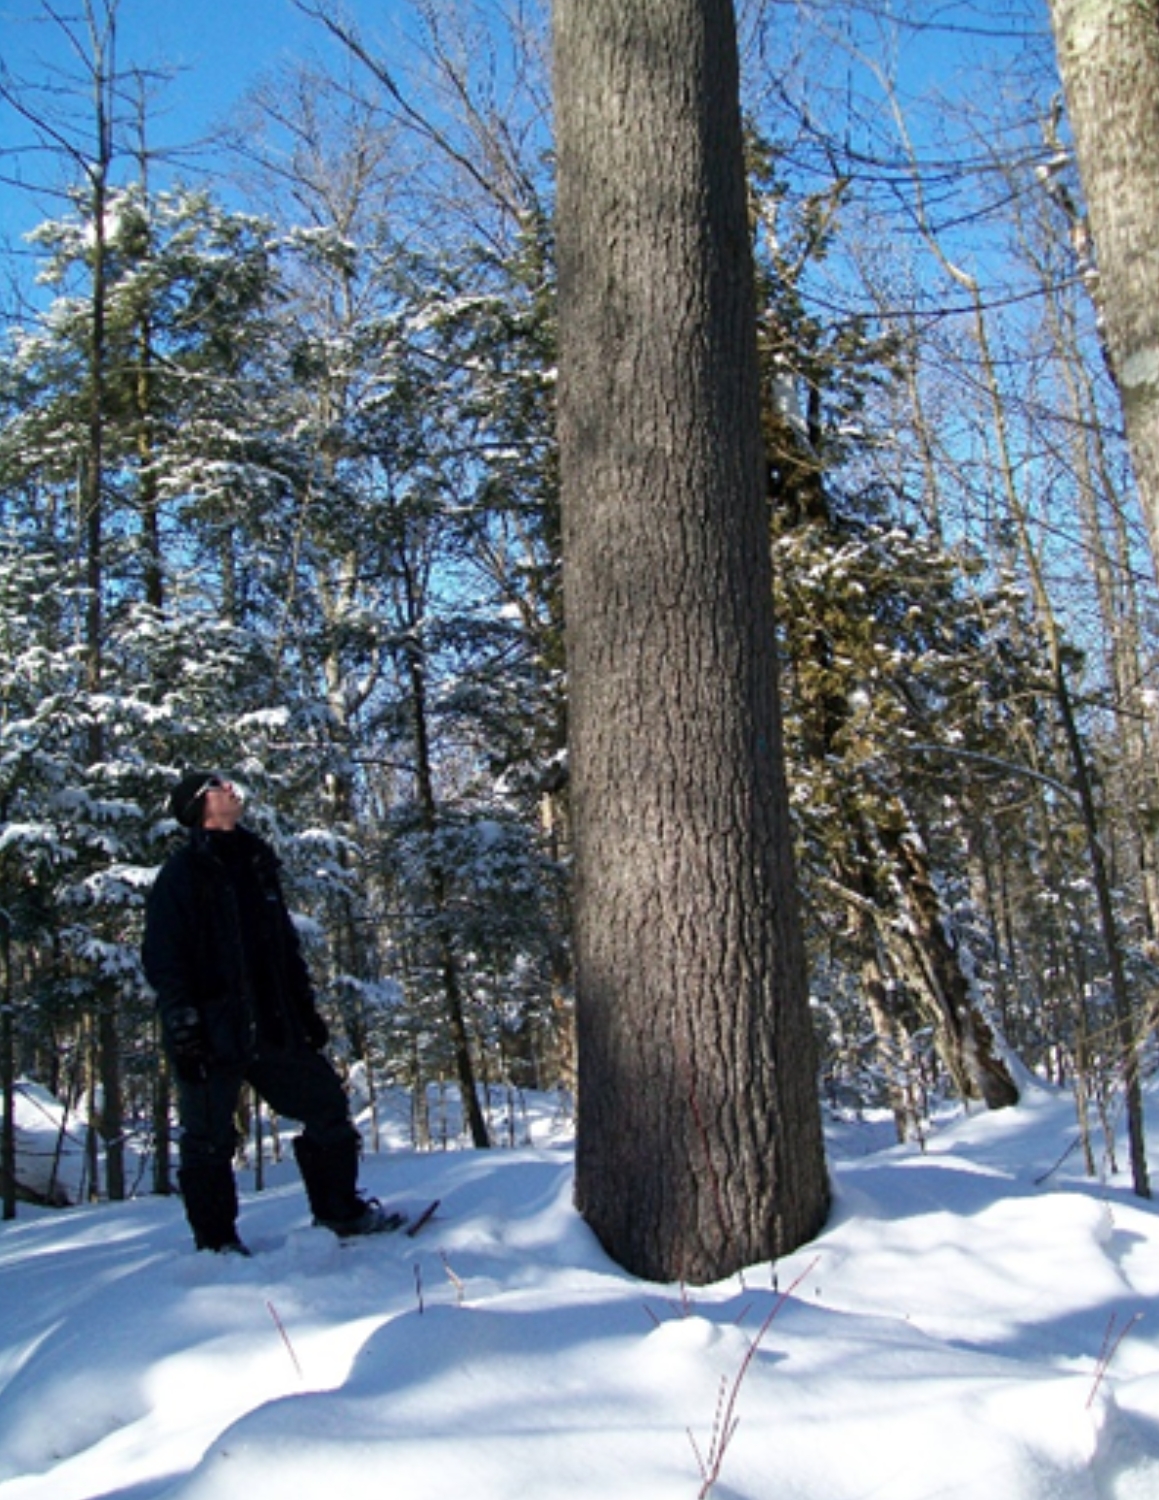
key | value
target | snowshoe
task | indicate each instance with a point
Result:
(373, 1219)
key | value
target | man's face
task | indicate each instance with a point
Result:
(222, 807)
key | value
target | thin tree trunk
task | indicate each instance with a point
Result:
(965, 1037)
(1091, 824)
(112, 1101)
(7, 1073)
(1120, 990)
(891, 1039)
(436, 874)
(162, 1130)
(107, 1060)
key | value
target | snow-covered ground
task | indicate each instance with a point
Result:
(960, 1331)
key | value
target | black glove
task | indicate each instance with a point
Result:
(317, 1032)
(188, 1045)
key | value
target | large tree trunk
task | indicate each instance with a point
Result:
(699, 1140)
(1108, 56)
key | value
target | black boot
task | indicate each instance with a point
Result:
(210, 1195)
(330, 1175)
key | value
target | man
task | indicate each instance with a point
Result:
(237, 1006)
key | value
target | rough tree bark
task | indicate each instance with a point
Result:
(699, 1141)
(1108, 56)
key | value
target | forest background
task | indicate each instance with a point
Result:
(278, 495)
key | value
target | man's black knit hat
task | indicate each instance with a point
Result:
(188, 796)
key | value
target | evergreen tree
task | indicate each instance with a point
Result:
(889, 657)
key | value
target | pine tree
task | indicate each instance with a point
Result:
(699, 1146)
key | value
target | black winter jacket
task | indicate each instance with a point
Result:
(195, 951)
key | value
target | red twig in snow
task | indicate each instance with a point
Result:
(1108, 1351)
(280, 1326)
(726, 1421)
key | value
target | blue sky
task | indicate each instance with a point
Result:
(215, 49)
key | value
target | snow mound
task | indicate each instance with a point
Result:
(972, 1323)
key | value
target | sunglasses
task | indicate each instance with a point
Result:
(214, 783)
